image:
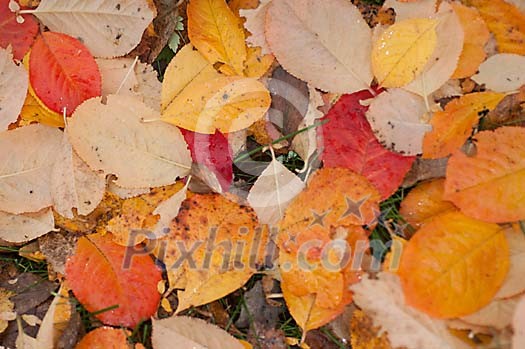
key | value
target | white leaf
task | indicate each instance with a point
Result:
(497, 314)
(273, 191)
(502, 72)
(383, 300)
(255, 20)
(325, 43)
(14, 81)
(515, 282)
(188, 332)
(444, 60)
(398, 120)
(25, 227)
(109, 28)
(168, 210)
(114, 138)
(27, 157)
(149, 86)
(518, 324)
(409, 10)
(126, 193)
(74, 184)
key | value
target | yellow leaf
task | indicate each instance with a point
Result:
(256, 63)
(365, 335)
(6, 308)
(505, 21)
(217, 33)
(237, 5)
(402, 51)
(454, 265)
(476, 36)
(452, 127)
(226, 103)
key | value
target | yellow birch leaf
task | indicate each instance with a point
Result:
(226, 103)
(402, 51)
(452, 127)
(505, 21)
(217, 33)
(476, 36)
(454, 265)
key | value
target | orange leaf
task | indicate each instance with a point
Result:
(425, 202)
(63, 72)
(452, 127)
(505, 21)
(237, 5)
(454, 265)
(104, 338)
(99, 278)
(476, 36)
(490, 185)
(217, 33)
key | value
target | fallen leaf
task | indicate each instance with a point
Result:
(443, 62)
(403, 50)
(28, 157)
(302, 37)
(14, 81)
(226, 243)
(476, 37)
(508, 112)
(113, 138)
(105, 337)
(62, 72)
(56, 319)
(502, 72)
(497, 314)
(100, 279)
(425, 202)
(126, 193)
(108, 29)
(257, 63)
(454, 265)
(453, 126)
(348, 141)
(118, 76)
(6, 308)
(255, 23)
(518, 325)
(25, 227)
(505, 21)
(190, 332)
(413, 9)
(217, 33)
(425, 169)
(34, 110)
(514, 283)
(273, 191)
(393, 121)
(237, 5)
(499, 184)
(382, 299)
(365, 335)
(73, 184)
(56, 248)
(168, 210)
(19, 35)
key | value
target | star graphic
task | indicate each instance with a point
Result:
(353, 208)
(319, 218)
(399, 229)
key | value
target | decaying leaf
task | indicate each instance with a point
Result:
(502, 72)
(393, 121)
(217, 33)
(326, 44)
(108, 28)
(189, 332)
(101, 278)
(453, 126)
(514, 283)
(382, 299)
(365, 335)
(403, 50)
(6, 309)
(275, 188)
(14, 82)
(25, 227)
(25, 175)
(489, 185)
(113, 138)
(454, 265)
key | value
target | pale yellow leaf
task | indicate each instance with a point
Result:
(515, 282)
(126, 193)
(14, 81)
(325, 43)
(118, 139)
(503, 72)
(108, 28)
(413, 9)
(25, 227)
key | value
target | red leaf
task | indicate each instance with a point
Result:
(348, 141)
(214, 152)
(63, 72)
(99, 279)
(19, 35)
